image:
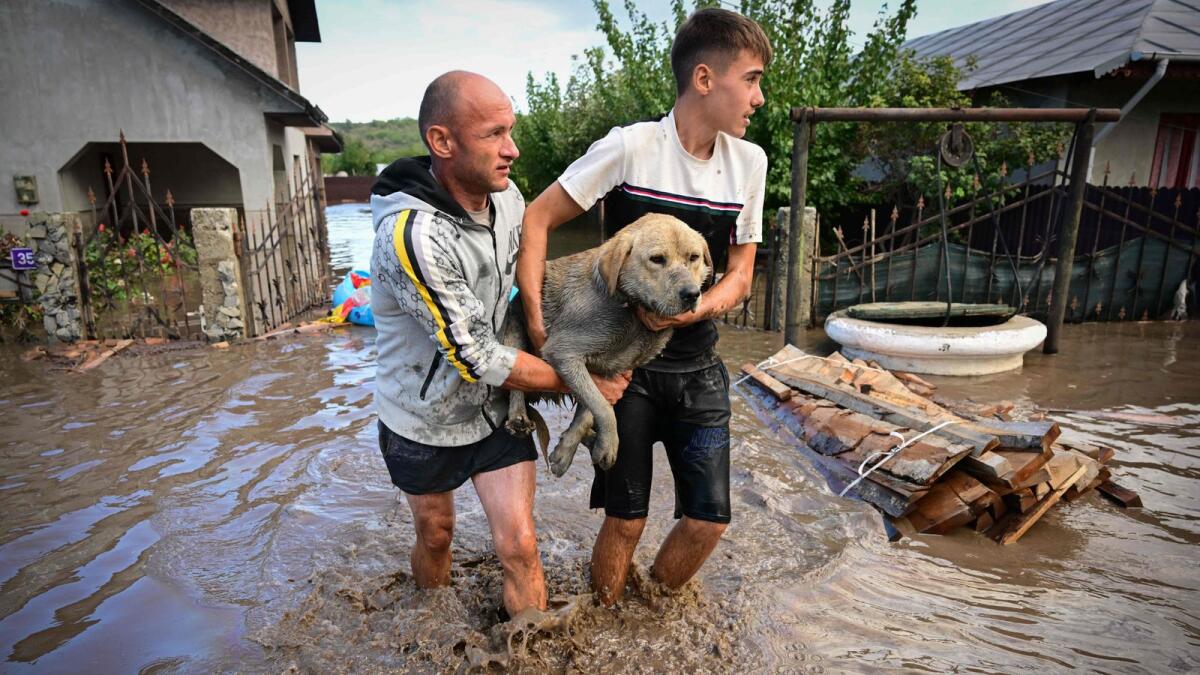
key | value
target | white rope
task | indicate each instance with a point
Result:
(890, 454)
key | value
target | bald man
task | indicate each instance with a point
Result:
(446, 233)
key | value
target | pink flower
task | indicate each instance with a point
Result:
(101, 227)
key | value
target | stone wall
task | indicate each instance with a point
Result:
(220, 274)
(56, 277)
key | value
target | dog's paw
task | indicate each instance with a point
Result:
(604, 451)
(560, 460)
(519, 426)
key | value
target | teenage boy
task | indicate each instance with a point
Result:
(694, 165)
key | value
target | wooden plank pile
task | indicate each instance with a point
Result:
(929, 468)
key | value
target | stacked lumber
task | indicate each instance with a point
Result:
(930, 467)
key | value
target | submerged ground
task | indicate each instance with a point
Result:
(205, 510)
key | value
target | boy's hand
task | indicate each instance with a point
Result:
(657, 322)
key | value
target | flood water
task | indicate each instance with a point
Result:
(203, 510)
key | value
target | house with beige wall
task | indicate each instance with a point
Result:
(1142, 56)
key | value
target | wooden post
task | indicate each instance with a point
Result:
(1069, 234)
(794, 321)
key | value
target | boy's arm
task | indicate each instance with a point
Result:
(551, 209)
(734, 287)
(729, 292)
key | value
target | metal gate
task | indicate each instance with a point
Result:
(284, 253)
(138, 273)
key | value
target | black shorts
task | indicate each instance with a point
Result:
(420, 469)
(689, 413)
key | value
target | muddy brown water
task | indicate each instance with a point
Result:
(201, 510)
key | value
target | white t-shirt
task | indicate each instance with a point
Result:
(646, 163)
(642, 168)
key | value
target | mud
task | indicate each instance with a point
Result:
(227, 510)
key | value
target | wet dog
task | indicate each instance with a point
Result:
(589, 303)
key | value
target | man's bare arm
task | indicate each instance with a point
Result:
(529, 373)
(729, 292)
(552, 208)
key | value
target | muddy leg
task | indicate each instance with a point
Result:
(686, 548)
(613, 554)
(433, 517)
(507, 498)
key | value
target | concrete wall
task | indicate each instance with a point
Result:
(78, 71)
(243, 25)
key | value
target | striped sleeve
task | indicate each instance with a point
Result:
(434, 290)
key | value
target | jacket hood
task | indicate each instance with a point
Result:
(407, 183)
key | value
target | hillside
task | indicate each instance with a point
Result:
(376, 142)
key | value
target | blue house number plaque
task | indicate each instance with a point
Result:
(22, 259)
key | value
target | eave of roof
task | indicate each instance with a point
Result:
(305, 27)
(325, 138)
(1065, 37)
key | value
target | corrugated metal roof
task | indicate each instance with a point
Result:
(1066, 36)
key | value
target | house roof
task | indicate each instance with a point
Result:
(304, 20)
(304, 112)
(325, 138)
(1066, 36)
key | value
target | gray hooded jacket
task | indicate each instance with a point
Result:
(440, 290)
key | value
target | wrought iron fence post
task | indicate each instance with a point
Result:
(85, 291)
(801, 133)
(1070, 233)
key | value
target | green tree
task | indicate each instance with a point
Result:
(374, 142)
(354, 159)
(815, 64)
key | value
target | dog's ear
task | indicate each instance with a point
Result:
(708, 263)
(613, 255)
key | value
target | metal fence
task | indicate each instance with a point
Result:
(138, 272)
(1134, 247)
(284, 255)
(965, 252)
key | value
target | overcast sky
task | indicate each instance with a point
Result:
(377, 56)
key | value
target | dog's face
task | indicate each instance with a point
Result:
(659, 262)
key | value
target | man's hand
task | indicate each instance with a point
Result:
(612, 388)
(657, 322)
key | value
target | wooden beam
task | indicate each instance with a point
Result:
(836, 473)
(1014, 530)
(1124, 497)
(780, 390)
(952, 115)
(119, 347)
